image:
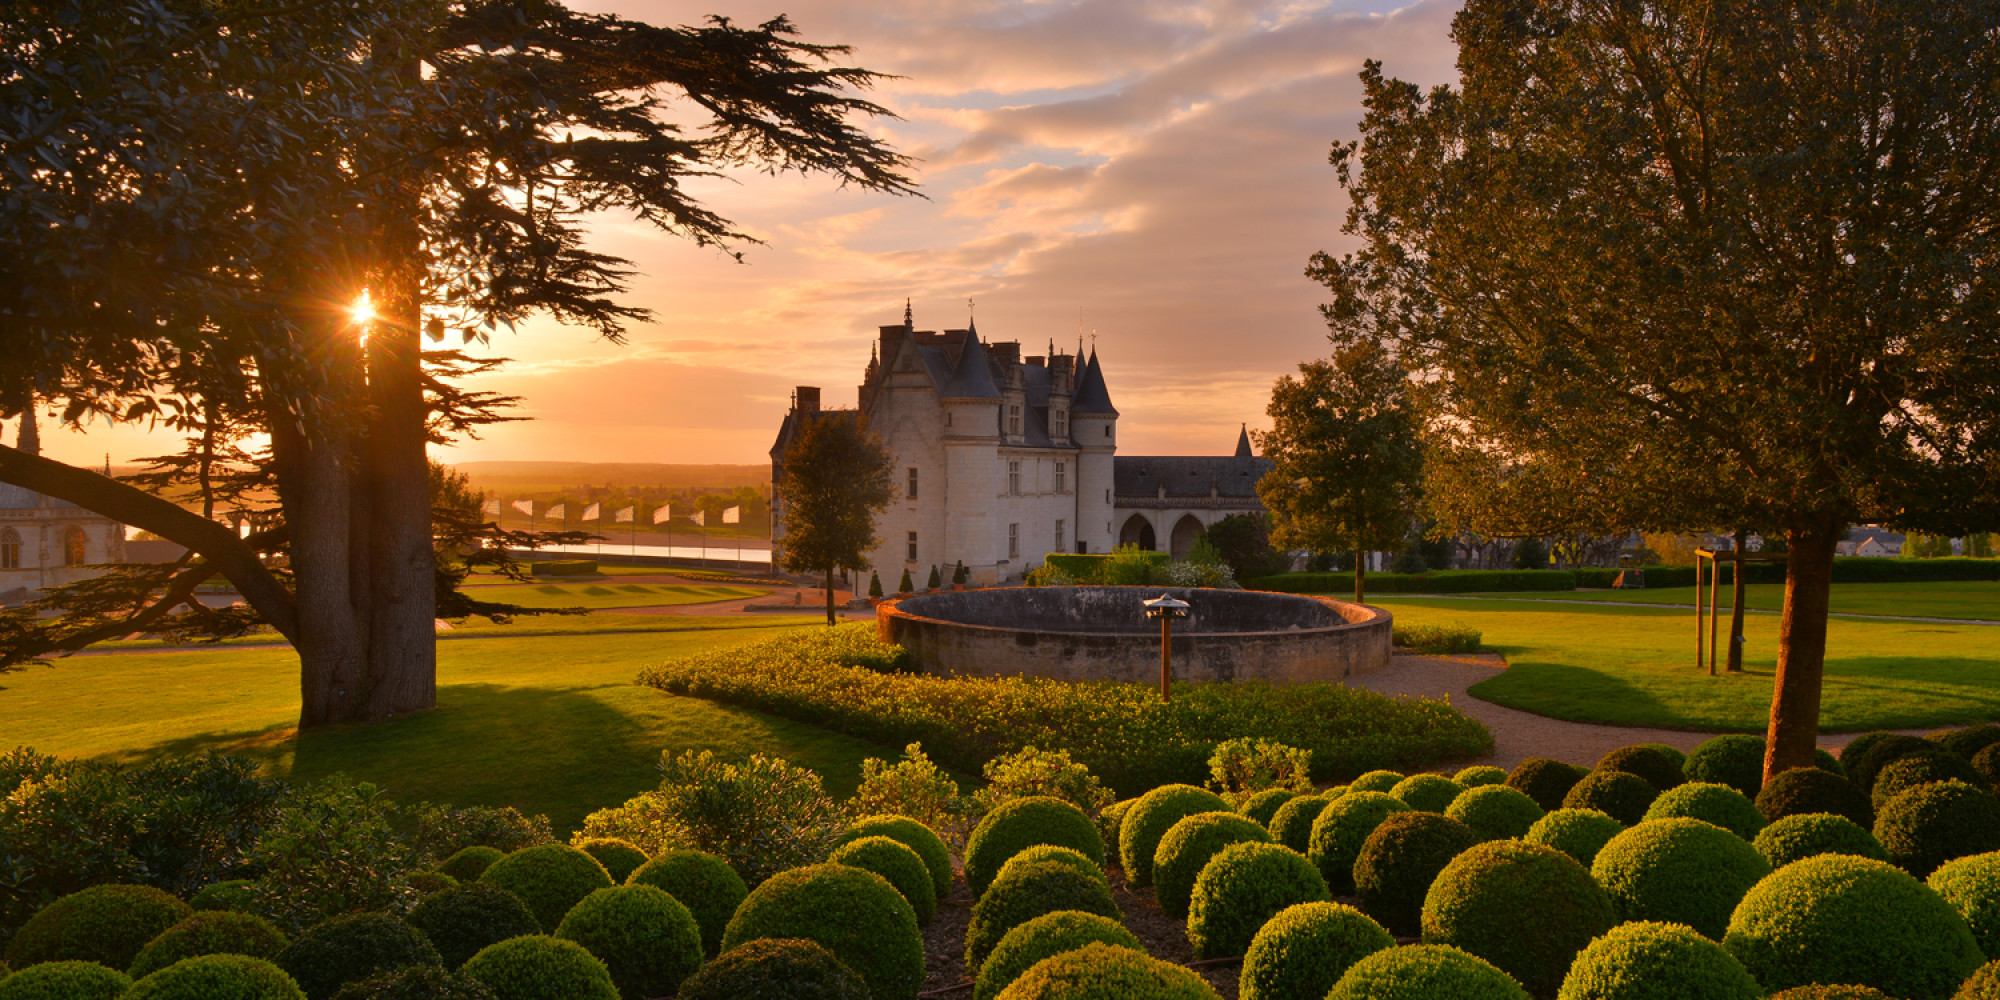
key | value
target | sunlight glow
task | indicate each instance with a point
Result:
(363, 309)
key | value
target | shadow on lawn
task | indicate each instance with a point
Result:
(1565, 692)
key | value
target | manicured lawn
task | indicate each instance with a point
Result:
(1976, 599)
(552, 725)
(611, 595)
(1635, 666)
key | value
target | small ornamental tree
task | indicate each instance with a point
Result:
(831, 482)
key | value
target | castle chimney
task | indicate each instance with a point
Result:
(808, 399)
(31, 438)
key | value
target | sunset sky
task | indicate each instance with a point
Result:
(1159, 166)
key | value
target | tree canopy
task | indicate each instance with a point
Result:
(832, 480)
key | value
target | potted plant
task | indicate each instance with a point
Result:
(874, 585)
(959, 576)
(936, 582)
(905, 588)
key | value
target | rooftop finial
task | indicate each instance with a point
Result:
(909, 321)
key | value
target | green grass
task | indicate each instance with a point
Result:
(610, 595)
(1957, 599)
(1635, 666)
(552, 725)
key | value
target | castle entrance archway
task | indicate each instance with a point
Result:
(1138, 531)
(1186, 532)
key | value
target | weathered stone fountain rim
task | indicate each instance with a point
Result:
(1376, 616)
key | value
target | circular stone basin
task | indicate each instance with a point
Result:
(1102, 634)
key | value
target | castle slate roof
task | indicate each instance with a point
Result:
(1091, 395)
(972, 378)
(1187, 476)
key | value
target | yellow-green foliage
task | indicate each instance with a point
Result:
(104, 923)
(1657, 961)
(1715, 803)
(214, 932)
(646, 939)
(911, 834)
(1033, 771)
(1300, 953)
(1526, 908)
(65, 980)
(1107, 972)
(620, 858)
(1242, 888)
(856, 915)
(1024, 892)
(1425, 972)
(915, 787)
(704, 883)
(1678, 870)
(1047, 935)
(1972, 886)
(1019, 824)
(1151, 817)
(550, 878)
(540, 967)
(1186, 850)
(207, 977)
(893, 860)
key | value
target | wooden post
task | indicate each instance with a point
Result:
(1700, 648)
(1714, 609)
(1166, 656)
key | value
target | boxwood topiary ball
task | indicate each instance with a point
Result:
(1733, 759)
(1150, 818)
(704, 883)
(107, 924)
(1546, 781)
(1401, 858)
(1021, 823)
(1622, 795)
(1981, 985)
(1425, 972)
(1817, 992)
(461, 920)
(428, 882)
(1673, 754)
(1932, 824)
(1842, 919)
(1713, 803)
(1265, 804)
(1657, 961)
(217, 977)
(1826, 761)
(353, 947)
(775, 969)
(1187, 848)
(856, 915)
(69, 979)
(1526, 908)
(1969, 741)
(1881, 754)
(1858, 747)
(1579, 833)
(646, 938)
(217, 932)
(620, 858)
(1480, 774)
(418, 982)
(471, 862)
(1025, 892)
(1806, 835)
(1427, 792)
(1292, 826)
(1811, 790)
(1107, 972)
(1987, 763)
(1045, 936)
(1108, 820)
(1300, 953)
(1242, 887)
(233, 894)
(1972, 886)
(1647, 762)
(1341, 829)
(893, 860)
(1059, 855)
(1930, 767)
(1376, 781)
(1495, 812)
(540, 967)
(550, 878)
(1678, 870)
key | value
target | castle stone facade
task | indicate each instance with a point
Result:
(46, 542)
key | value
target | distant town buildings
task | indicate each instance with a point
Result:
(46, 542)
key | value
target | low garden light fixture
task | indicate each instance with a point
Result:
(1166, 609)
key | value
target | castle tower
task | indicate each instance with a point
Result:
(1093, 425)
(972, 402)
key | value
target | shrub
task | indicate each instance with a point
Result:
(1292, 824)
(1376, 781)
(471, 862)
(1579, 833)
(1059, 855)
(418, 982)
(1805, 835)
(1647, 762)
(1425, 972)
(1480, 899)
(913, 787)
(540, 967)
(1713, 803)
(217, 977)
(550, 878)
(856, 915)
(1247, 764)
(1858, 747)
(1341, 829)
(775, 969)
(1546, 781)
(1969, 741)
(1972, 886)
(233, 894)
(1622, 795)
(646, 939)
(1480, 774)
(1881, 754)
(1023, 823)
(1811, 790)
(762, 815)
(1427, 792)
(1438, 637)
(903, 829)
(336, 846)
(354, 947)
(1243, 886)
(1673, 754)
(1026, 892)
(1107, 972)
(1108, 823)
(443, 831)
(1817, 992)
(1401, 858)
(220, 932)
(1907, 772)
(1733, 759)
(107, 924)
(1187, 848)
(894, 861)
(710, 889)
(1030, 771)
(65, 980)
(1150, 818)
(1657, 961)
(1264, 805)
(427, 882)
(619, 858)
(463, 919)
(1045, 936)
(1495, 812)
(1678, 870)
(1982, 985)
(1987, 763)
(1300, 953)
(1841, 919)
(1932, 824)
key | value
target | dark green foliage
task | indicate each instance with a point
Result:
(354, 947)
(1495, 812)
(1657, 961)
(775, 969)
(1150, 818)
(1987, 763)
(1045, 936)
(1858, 747)
(1264, 806)
(1376, 781)
(443, 831)
(1108, 972)
(107, 924)
(1425, 972)
(461, 920)
(1243, 886)
(550, 878)
(1826, 761)
(1811, 790)
(1714, 803)
(427, 882)
(471, 862)
(646, 938)
(913, 835)
(1426, 792)
(1480, 901)
(1026, 892)
(1981, 985)
(1300, 953)
(1400, 859)
(906, 585)
(1480, 774)
(1678, 870)
(65, 980)
(1546, 781)
(707, 886)
(1579, 833)
(1622, 795)
(1109, 820)
(1733, 759)
(1972, 887)
(1803, 835)
(619, 857)
(233, 894)
(1832, 993)
(1907, 772)
(1932, 824)
(1674, 754)
(217, 932)
(1022, 823)
(217, 977)
(1341, 829)
(540, 967)
(1648, 762)
(336, 847)
(418, 982)
(1186, 850)
(1292, 824)
(893, 860)
(856, 915)
(1881, 754)
(1969, 741)
(1841, 919)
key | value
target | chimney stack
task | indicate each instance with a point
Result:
(808, 399)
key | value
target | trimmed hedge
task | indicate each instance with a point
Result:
(353, 947)
(893, 860)
(775, 969)
(1341, 829)
(1969, 741)
(646, 939)
(550, 878)
(1811, 790)
(1907, 772)
(217, 932)
(66, 979)
(1150, 818)
(1186, 850)
(471, 862)
(1712, 803)
(1025, 892)
(620, 858)
(1482, 900)
(107, 924)
(856, 915)
(1579, 833)
(1622, 795)
(1376, 781)
(461, 920)
(1858, 747)
(1300, 953)
(1495, 812)
(1805, 835)
(1088, 568)
(1733, 759)
(1444, 581)
(705, 884)
(1241, 888)
(1425, 972)
(540, 967)
(1972, 886)
(1657, 961)
(1292, 826)
(1069, 857)
(1107, 972)
(217, 977)
(1264, 805)
(1678, 870)
(1427, 792)
(1881, 754)
(1931, 824)
(1648, 762)
(1043, 937)
(1546, 781)
(1480, 774)
(1017, 824)
(1401, 858)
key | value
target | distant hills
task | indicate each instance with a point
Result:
(530, 477)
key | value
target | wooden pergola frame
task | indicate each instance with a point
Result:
(1709, 618)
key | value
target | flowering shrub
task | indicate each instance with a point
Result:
(1201, 574)
(1246, 765)
(917, 788)
(762, 816)
(1029, 771)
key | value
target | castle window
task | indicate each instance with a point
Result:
(1059, 489)
(75, 547)
(1107, 430)
(1013, 479)
(947, 418)
(911, 493)
(1014, 420)
(913, 546)
(1059, 536)
(1062, 424)
(10, 549)
(1013, 541)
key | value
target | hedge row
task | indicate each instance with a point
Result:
(1463, 581)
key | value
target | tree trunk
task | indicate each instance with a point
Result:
(1736, 610)
(1795, 695)
(315, 485)
(1360, 571)
(829, 596)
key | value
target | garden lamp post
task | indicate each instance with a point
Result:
(1166, 609)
